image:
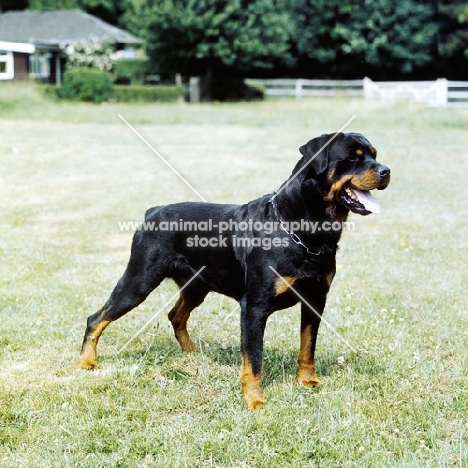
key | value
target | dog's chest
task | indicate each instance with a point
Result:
(289, 290)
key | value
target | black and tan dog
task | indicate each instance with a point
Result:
(243, 260)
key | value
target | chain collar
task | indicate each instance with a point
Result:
(292, 235)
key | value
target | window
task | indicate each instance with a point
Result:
(6, 66)
(39, 66)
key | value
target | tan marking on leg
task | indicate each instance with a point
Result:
(281, 286)
(329, 278)
(88, 351)
(306, 374)
(179, 316)
(251, 386)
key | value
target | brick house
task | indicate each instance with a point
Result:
(32, 43)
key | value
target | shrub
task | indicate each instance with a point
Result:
(136, 93)
(86, 84)
(233, 90)
(131, 70)
(91, 53)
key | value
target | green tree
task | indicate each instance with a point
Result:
(53, 4)
(346, 38)
(108, 10)
(6, 5)
(453, 38)
(213, 38)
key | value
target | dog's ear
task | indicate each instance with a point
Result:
(361, 139)
(316, 151)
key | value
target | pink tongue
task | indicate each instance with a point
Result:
(368, 200)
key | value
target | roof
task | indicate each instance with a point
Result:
(17, 47)
(59, 27)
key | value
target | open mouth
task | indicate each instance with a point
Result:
(359, 201)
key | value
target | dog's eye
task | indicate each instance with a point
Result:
(356, 155)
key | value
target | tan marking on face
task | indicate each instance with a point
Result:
(366, 181)
(280, 284)
(359, 152)
(337, 186)
(251, 385)
(372, 150)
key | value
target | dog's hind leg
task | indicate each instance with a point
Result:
(140, 278)
(189, 299)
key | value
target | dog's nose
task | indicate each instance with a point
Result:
(383, 172)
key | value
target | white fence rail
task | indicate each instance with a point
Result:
(431, 93)
(439, 93)
(457, 93)
(299, 88)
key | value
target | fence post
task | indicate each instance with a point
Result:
(298, 88)
(367, 87)
(441, 92)
(194, 86)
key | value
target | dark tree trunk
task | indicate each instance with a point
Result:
(206, 82)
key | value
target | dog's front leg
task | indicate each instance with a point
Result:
(311, 315)
(253, 322)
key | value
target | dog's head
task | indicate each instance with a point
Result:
(346, 168)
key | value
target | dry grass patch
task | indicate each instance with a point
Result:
(71, 172)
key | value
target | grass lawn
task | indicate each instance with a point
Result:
(70, 172)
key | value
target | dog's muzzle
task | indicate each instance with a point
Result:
(384, 174)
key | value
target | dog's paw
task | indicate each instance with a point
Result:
(253, 393)
(314, 382)
(88, 364)
(188, 345)
(255, 400)
(308, 378)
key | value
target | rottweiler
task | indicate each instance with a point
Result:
(268, 254)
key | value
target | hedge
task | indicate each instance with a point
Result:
(233, 90)
(132, 70)
(86, 84)
(139, 93)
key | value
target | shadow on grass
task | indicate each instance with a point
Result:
(278, 364)
(282, 365)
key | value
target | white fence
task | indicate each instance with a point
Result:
(439, 93)
(299, 88)
(431, 93)
(457, 93)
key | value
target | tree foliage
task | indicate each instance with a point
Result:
(6, 5)
(350, 37)
(323, 37)
(108, 10)
(384, 39)
(213, 37)
(453, 38)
